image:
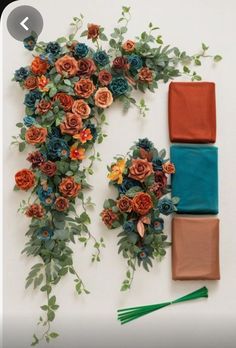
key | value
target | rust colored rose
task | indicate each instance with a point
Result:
(69, 188)
(66, 101)
(81, 108)
(49, 168)
(35, 211)
(128, 46)
(25, 179)
(124, 204)
(103, 97)
(61, 204)
(145, 75)
(93, 31)
(67, 66)
(71, 124)
(140, 169)
(160, 179)
(84, 88)
(36, 159)
(31, 83)
(43, 106)
(168, 168)
(157, 190)
(142, 203)
(36, 135)
(104, 77)
(120, 63)
(108, 217)
(39, 66)
(86, 67)
(145, 154)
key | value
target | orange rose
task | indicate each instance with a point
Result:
(84, 88)
(43, 107)
(77, 153)
(140, 169)
(66, 101)
(67, 66)
(86, 67)
(124, 204)
(25, 179)
(145, 75)
(69, 188)
(142, 203)
(42, 83)
(108, 217)
(72, 124)
(104, 77)
(39, 66)
(81, 108)
(168, 168)
(93, 31)
(31, 83)
(61, 203)
(103, 97)
(128, 46)
(35, 211)
(36, 135)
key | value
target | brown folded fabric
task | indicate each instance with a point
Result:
(192, 112)
(195, 248)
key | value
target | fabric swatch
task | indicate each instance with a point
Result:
(195, 248)
(195, 181)
(192, 112)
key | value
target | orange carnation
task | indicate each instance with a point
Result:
(77, 153)
(84, 135)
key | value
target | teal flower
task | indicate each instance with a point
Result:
(21, 74)
(135, 62)
(166, 206)
(28, 121)
(101, 58)
(144, 253)
(46, 196)
(119, 86)
(128, 226)
(81, 50)
(45, 233)
(158, 224)
(53, 48)
(145, 144)
(57, 148)
(30, 42)
(31, 98)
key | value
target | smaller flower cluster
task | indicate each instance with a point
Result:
(142, 183)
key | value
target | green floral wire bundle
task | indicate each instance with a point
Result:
(141, 179)
(129, 314)
(69, 85)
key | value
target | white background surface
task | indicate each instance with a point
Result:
(90, 321)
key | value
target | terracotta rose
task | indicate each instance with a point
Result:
(140, 169)
(36, 135)
(81, 108)
(104, 77)
(145, 75)
(67, 66)
(31, 83)
(43, 107)
(128, 46)
(49, 168)
(69, 188)
(86, 67)
(61, 203)
(66, 101)
(103, 97)
(108, 217)
(25, 179)
(84, 88)
(71, 124)
(168, 168)
(124, 204)
(93, 31)
(35, 211)
(142, 203)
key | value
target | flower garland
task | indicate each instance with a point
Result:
(68, 87)
(141, 181)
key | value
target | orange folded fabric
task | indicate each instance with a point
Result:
(192, 112)
(195, 248)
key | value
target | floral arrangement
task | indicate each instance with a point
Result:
(141, 179)
(69, 85)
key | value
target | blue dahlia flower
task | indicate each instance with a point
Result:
(135, 62)
(28, 121)
(157, 163)
(53, 48)
(166, 206)
(57, 148)
(30, 42)
(127, 184)
(101, 58)
(45, 233)
(119, 86)
(128, 226)
(21, 74)
(145, 144)
(31, 98)
(158, 224)
(46, 196)
(81, 50)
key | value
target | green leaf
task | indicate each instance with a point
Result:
(35, 340)
(53, 335)
(44, 308)
(52, 301)
(217, 58)
(175, 200)
(52, 92)
(133, 190)
(22, 146)
(61, 235)
(19, 125)
(204, 47)
(61, 40)
(57, 78)
(51, 315)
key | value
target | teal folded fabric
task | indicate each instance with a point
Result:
(196, 179)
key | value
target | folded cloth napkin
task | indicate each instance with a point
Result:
(195, 181)
(192, 112)
(195, 248)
